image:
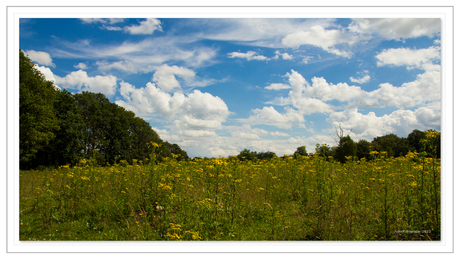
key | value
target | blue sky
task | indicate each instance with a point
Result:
(217, 86)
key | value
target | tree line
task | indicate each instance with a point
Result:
(58, 127)
(347, 148)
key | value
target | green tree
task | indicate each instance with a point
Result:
(414, 138)
(346, 147)
(140, 135)
(37, 122)
(302, 151)
(363, 149)
(176, 150)
(394, 145)
(68, 144)
(323, 150)
(246, 154)
(264, 155)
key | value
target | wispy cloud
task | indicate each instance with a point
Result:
(250, 55)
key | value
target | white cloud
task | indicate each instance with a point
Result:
(397, 28)
(245, 135)
(48, 74)
(270, 116)
(145, 55)
(198, 133)
(326, 91)
(277, 86)
(285, 55)
(195, 111)
(165, 76)
(111, 28)
(399, 122)
(80, 80)
(408, 57)
(307, 59)
(250, 55)
(255, 32)
(119, 65)
(426, 88)
(301, 95)
(102, 20)
(42, 58)
(318, 36)
(81, 66)
(279, 134)
(145, 27)
(361, 80)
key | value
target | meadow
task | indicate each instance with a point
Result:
(284, 198)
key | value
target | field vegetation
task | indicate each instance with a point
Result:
(282, 198)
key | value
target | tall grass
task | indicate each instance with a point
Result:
(308, 198)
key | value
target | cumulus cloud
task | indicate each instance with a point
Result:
(42, 58)
(325, 39)
(397, 28)
(81, 66)
(195, 111)
(285, 56)
(426, 88)
(401, 122)
(80, 80)
(48, 74)
(408, 57)
(165, 76)
(145, 27)
(250, 55)
(361, 80)
(327, 91)
(270, 116)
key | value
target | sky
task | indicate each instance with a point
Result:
(217, 86)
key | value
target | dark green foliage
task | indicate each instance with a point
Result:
(394, 145)
(301, 151)
(246, 154)
(323, 150)
(140, 135)
(414, 139)
(67, 147)
(176, 150)
(363, 148)
(37, 121)
(346, 147)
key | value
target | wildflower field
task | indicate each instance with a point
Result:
(285, 198)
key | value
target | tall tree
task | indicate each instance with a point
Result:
(414, 138)
(394, 145)
(363, 149)
(37, 121)
(301, 151)
(68, 144)
(346, 147)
